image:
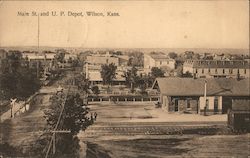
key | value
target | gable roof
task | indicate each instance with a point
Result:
(196, 87)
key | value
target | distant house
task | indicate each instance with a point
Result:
(217, 68)
(34, 59)
(188, 94)
(158, 60)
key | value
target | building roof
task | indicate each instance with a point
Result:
(160, 57)
(94, 59)
(195, 87)
(219, 64)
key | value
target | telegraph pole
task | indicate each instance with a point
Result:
(205, 97)
(53, 139)
(38, 45)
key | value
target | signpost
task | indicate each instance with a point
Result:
(12, 104)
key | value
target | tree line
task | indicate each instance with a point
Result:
(17, 79)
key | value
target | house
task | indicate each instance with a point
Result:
(210, 96)
(158, 60)
(34, 59)
(94, 75)
(217, 68)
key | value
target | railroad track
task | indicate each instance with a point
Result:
(120, 129)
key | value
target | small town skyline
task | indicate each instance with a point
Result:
(144, 50)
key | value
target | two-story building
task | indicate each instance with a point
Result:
(212, 95)
(93, 63)
(217, 68)
(158, 60)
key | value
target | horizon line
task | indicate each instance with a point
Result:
(123, 47)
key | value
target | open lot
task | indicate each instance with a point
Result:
(139, 130)
(145, 112)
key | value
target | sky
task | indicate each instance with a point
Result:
(141, 24)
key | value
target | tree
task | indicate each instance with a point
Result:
(131, 77)
(60, 54)
(136, 59)
(82, 83)
(179, 71)
(16, 80)
(74, 118)
(108, 72)
(172, 55)
(12, 62)
(157, 72)
(143, 83)
(189, 54)
(96, 90)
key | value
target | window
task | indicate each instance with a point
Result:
(230, 71)
(207, 103)
(216, 71)
(202, 71)
(245, 71)
(196, 70)
(209, 70)
(238, 71)
(223, 71)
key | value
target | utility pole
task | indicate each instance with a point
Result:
(53, 139)
(205, 98)
(38, 45)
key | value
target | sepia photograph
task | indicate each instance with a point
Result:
(124, 79)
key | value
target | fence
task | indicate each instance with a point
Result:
(123, 98)
(26, 105)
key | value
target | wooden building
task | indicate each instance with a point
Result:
(217, 68)
(203, 96)
(239, 116)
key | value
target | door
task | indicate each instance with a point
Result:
(176, 107)
(226, 104)
(216, 105)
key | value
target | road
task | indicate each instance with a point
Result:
(23, 130)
